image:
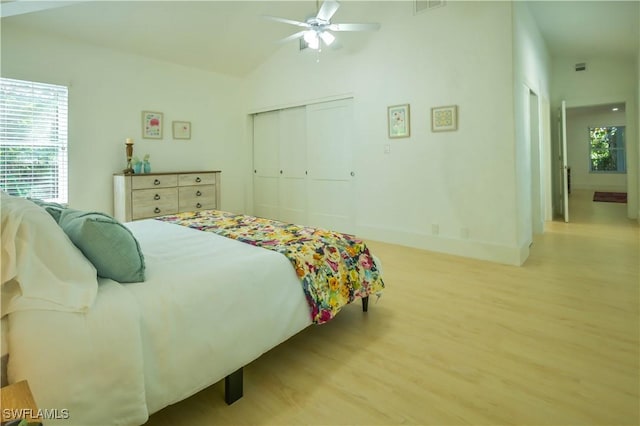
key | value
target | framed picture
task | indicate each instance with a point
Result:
(152, 125)
(399, 121)
(181, 129)
(444, 118)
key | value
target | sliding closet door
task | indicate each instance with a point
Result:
(293, 166)
(266, 172)
(330, 180)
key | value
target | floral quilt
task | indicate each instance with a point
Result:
(334, 268)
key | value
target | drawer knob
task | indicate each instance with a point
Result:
(199, 205)
(198, 180)
(156, 210)
(198, 193)
(156, 182)
(157, 197)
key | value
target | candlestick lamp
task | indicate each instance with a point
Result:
(128, 143)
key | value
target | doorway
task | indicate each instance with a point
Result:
(538, 136)
(537, 198)
(584, 180)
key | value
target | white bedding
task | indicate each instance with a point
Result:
(88, 363)
(209, 306)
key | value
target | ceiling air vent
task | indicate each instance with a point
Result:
(582, 66)
(422, 5)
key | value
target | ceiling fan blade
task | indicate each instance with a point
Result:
(327, 37)
(327, 10)
(354, 27)
(292, 37)
(287, 21)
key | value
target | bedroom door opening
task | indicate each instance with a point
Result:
(564, 168)
(537, 187)
(582, 175)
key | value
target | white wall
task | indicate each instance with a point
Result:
(532, 65)
(579, 120)
(606, 80)
(108, 91)
(462, 181)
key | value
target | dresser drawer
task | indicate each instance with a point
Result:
(154, 202)
(199, 197)
(143, 196)
(187, 179)
(154, 181)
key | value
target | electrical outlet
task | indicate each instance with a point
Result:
(435, 229)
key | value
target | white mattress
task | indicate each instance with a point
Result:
(209, 306)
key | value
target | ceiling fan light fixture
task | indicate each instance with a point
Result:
(310, 36)
(314, 44)
(327, 37)
(317, 28)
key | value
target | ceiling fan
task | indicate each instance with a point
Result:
(317, 29)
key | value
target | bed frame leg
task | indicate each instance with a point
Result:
(233, 387)
(365, 304)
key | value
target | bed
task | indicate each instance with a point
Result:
(113, 353)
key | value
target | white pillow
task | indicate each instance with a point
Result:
(41, 268)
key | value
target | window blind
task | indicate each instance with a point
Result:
(33, 139)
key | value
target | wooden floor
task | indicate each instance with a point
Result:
(459, 341)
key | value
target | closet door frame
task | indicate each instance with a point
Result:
(266, 157)
(293, 166)
(306, 176)
(331, 176)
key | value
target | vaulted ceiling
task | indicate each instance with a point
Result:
(586, 29)
(231, 37)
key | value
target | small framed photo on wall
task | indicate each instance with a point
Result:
(398, 121)
(444, 119)
(181, 129)
(152, 125)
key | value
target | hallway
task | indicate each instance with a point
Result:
(583, 210)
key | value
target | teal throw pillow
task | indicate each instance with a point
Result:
(107, 243)
(54, 209)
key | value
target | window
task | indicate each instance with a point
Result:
(33, 139)
(606, 150)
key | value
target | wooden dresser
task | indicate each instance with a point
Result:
(157, 194)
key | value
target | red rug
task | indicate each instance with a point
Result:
(610, 197)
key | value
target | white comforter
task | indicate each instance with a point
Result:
(209, 306)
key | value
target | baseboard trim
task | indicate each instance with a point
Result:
(510, 255)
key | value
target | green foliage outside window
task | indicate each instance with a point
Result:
(607, 149)
(29, 171)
